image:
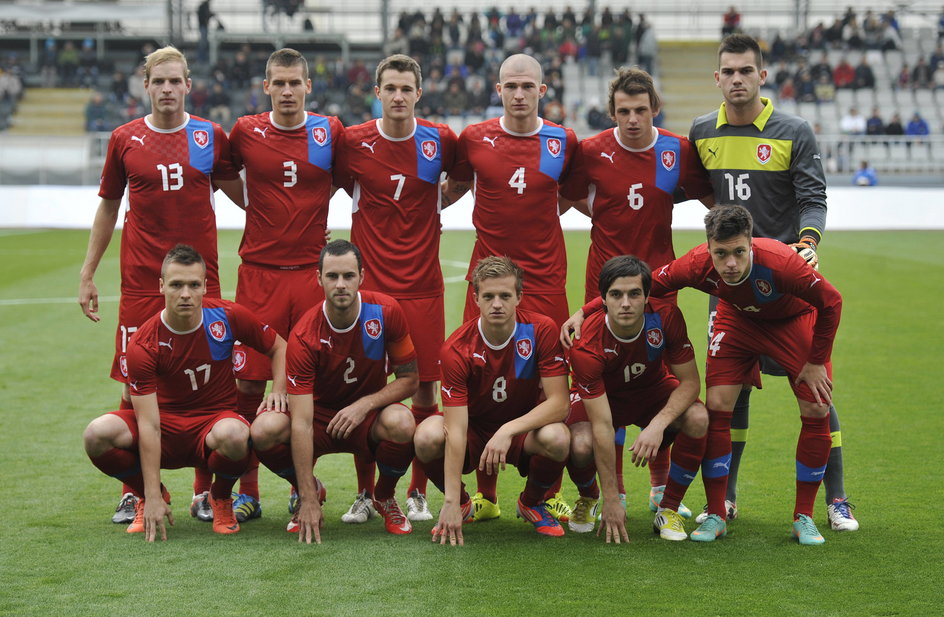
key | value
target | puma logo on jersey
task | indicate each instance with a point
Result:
(292, 379)
(133, 384)
(168, 344)
(491, 140)
(612, 351)
(584, 388)
(816, 280)
(608, 156)
(327, 342)
(664, 271)
(558, 358)
(369, 146)
(262, 132)
(712, 281)
(446, 391)
(480, 356)
(712, 152)
(138, 139)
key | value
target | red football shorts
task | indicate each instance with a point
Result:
(554, 305)
(133, 311)
(475, 445)
(358, 442)
(732, 358)
(427, 320)
(183, 435)
(276, 297)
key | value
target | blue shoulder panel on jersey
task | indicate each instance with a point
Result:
(668, 152)
(526, 357)
(219, 335)
(200, 145)
(553, 139)
(428, 153)
(655, 343)
(318, 130)
(372, 331)
(762, 284)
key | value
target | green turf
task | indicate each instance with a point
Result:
(60, 555)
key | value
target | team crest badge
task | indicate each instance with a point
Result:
(429, 149)
(201, 138)
(239, 360)
(123, 365)
(763, 286)
(764, 152)
(373, 329)
(218, 330)
(668, 160)
(524, 348)
(320, 135)
(654, 336)
(554, 147)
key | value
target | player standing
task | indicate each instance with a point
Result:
(514, 165)
(769, 162)
(504, 385)
(288, 156)
(339, 398)
(624, 179)
(392, 168)
(635, 365)
(170, 162)
(180, 372)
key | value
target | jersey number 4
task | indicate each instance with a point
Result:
(517, 181)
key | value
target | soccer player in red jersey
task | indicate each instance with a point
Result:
(392, 167)
(634, 364)
(624, 179)
(514, 165)
(504, 386)
(771, 303)
(288, 156)
(171, 163)
(180, 372)
(339, 398)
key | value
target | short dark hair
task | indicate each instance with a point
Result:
(738, 44)
(624, 265)
(727, 221)
(402, 64)
(286, 57)
(497, 267)
(336, 248)
(633, 81)
(182, 254)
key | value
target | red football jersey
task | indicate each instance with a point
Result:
(501, 383)
(288, 184)
(170, 195)
(515, 189)
(630, 196)
(780, 285)
(193, 371)
(605, 364)
(396, 200)
(340, 366)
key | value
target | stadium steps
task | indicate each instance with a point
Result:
(50, 111)
(687, 82)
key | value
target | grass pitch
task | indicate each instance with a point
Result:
(60, 555)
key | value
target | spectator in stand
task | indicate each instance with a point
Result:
(133, 109)
(805, 88)
(904, 78)
(864, 77)
(787, 90)
(833, 34)
(844, 75)
(821, 68)
(135, 86)
(397, 44)
(825, 90)
(88, 65)
(874, 125)
(597, 119)
(241, 71)
(894, 126)
(732, 22)
(865, 175)
(218, 104)
(817, 37)
(646, 45)
(921, 74)
(891, 32)
(118, 90)
(358, 73)
(872, 29)
(456, 101)
(852, 35)
(454, 27)
(554, 112)
(96, 113)
(204, 15)
(938, 76)
(940, 26)
(199, 96)
(937, 56)
(917, 128)
(783, 73)
(11, 86)
(67, 63)
(852, 123)
(778, 49)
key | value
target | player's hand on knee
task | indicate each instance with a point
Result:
(572, 325)
(495, 453)
(274, 401)
(818, 381)
(646, 446)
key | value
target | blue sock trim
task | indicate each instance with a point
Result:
(389, 471)
(128, 473)
(716, 467)
(620, 436)
(809, 474)
(681, 475)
